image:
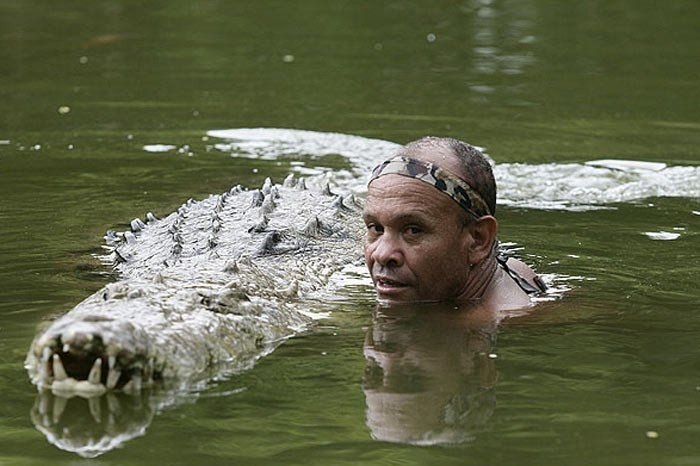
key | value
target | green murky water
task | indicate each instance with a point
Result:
(610, 374)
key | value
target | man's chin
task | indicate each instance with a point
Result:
(403, 295)
(395, 294)
(390, 295)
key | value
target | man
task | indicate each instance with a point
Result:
(431, 230)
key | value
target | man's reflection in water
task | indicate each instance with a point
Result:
(429, 375)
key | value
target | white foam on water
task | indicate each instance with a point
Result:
(594, 184)
(157, 148)
(662, 235)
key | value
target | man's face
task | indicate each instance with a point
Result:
(416, 247)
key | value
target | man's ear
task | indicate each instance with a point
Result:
(483, 232)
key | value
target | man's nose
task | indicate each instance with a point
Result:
(387, 251)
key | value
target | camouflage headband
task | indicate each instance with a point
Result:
(443, 180)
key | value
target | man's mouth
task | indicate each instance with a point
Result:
(388, 287)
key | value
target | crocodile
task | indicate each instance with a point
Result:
(214, 286)
(207, 290)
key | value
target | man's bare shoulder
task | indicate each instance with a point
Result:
(522, 269)
(507, 293)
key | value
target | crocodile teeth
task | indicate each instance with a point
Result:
(95, 372)
(111, 360)
(136, 379)
(66, 347)
(59, 405)
(148, 372)
(59, 372)
(46, 354)
(112, 405)
(43, 371)
(95, 409)
(44, 405)
(113, 378)
(133, 385)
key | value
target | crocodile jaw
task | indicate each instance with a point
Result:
(88, 357)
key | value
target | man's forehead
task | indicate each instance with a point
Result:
(443, 157)
(409, 194)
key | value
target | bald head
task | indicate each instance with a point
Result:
(460, 158)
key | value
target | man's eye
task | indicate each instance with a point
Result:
(374, 228)
(413, 230)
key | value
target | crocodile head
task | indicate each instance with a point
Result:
(91, 355)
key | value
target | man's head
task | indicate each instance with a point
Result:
(429, 217)
(461, 159)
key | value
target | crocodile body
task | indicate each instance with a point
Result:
(204, 291)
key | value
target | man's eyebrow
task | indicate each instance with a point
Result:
(413, 217)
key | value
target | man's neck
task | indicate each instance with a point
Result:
(481, 277)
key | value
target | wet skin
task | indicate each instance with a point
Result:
(416, 246)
